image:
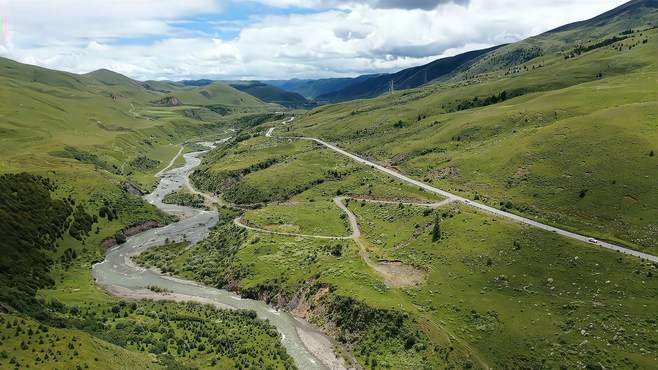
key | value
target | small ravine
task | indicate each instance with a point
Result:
(118, 275)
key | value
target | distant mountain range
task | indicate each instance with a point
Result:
(333, 90)
(462, 66)
(311, 89)
(307, 93)
(364, 87)
(273, 94)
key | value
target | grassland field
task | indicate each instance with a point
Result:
(493, 288)
(569, 145)
(573, 150)
(89, 135)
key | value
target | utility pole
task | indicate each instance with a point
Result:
(391, 87)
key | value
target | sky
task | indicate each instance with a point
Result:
(268, 39)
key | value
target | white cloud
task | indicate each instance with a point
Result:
(364, 37)
(48, 22)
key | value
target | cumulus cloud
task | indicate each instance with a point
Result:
(343, 39)
(38, 22)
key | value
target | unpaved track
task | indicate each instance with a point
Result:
(470, 203)
(171, 163)
(394, 273)
(238, 222)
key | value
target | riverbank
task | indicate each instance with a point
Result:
(116, 274)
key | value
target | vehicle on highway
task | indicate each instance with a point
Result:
(593, 241)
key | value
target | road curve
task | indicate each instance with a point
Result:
(468, 202)
(352, 220)
(354, 223)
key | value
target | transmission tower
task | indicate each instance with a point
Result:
(391, 87)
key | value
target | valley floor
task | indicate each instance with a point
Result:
(469, 296)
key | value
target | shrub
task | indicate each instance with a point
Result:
(120, 237)
(436, 230)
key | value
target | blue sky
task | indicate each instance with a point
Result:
(234, 15)
(268, 39)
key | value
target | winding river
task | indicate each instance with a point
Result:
(118, 275)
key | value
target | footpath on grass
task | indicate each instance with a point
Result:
(394, 273)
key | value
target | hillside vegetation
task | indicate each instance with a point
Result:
(490, 292)
(561, 128)
(217, 93)
(566, 136)
(74, 149)
(566, 141)
(272, 94)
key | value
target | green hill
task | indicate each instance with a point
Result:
(110, 78)
(217, 93)
(568, 138)
(116, 86)
(636, 14)
(37, 75)
(70, 148)
(562, 138)
(272, 94)
(162, 86)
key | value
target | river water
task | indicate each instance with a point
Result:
(120, 276)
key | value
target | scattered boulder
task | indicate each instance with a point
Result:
(132, 189)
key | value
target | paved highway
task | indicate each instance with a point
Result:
(469, 202)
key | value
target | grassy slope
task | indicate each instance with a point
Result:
(217, 93)
(103, 113)
(518, 295)
(496, 293)
(108, 121)
(317, 218)
(538, 151)
(635, 14)
(75, 347)
(118, 85)
(271, 94)
(493, 291)
(162, 86)
(297, 171)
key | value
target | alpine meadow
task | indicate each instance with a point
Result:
(329, 185)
